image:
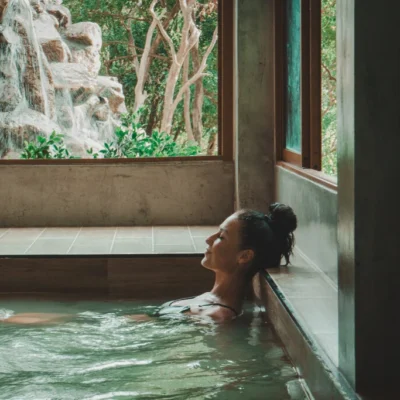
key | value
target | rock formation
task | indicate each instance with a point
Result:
(49, 79)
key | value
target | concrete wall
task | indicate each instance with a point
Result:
(121, 194)
(169, 193)
(316, 210)
(254, 150)
(368, 200)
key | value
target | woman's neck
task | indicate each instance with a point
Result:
(230, 289)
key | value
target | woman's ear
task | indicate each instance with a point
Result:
(246, 256)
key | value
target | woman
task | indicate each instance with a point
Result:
(247, 242)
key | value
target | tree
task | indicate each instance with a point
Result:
(165, 55)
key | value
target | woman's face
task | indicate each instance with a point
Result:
(223, 247)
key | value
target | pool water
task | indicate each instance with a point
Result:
(98, 354)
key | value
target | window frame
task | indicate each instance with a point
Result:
(308, 163)
(226, 59)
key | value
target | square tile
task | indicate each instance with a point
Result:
(330, 343)
(87, 241)
(14, 248)
(200, 244)
(21, 235)
(132, 246)
(172, 249)
(3, 231)
(320, 315)
(97, 233)
(126, 232)
(60, 233)
(176, 235)
(85, 246)
(203, 230)
(50, 246)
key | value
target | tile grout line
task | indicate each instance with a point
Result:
(73, 242)
(40, 234)
(191, 238)
(152, 240)
(113, 241)
(4, 232)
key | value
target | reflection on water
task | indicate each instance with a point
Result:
(99, 354)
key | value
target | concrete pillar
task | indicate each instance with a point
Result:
(254, 144)
(368, 209)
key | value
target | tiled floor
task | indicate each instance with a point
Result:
(315, 300)
(116, 240)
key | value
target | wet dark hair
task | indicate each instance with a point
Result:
(269, 236)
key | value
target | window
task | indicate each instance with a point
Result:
(305, 65)
(154, 81)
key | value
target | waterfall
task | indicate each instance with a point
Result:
(20, 44)
(50, 83)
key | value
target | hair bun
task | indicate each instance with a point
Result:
(282, 218)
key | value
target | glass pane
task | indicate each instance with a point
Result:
(328, 81)
(293, 76)
(108, 83)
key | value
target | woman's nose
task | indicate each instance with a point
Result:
(210, 240)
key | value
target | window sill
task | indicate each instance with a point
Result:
(319, 177)
(108, 161)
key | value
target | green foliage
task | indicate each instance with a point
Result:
(132, 142)
(328, 65)
(46, 148)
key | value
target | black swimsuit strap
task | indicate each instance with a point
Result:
(203, 305)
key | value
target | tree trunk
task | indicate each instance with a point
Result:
(197, 111)
(186, 104)
(190, 36)
(153, 115)
(140, 93)
(159, 37)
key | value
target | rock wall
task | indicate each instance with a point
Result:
(49, 79)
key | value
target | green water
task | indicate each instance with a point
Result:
(98, 355)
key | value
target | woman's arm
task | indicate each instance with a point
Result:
(36, 318)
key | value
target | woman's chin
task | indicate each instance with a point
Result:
(205, 262)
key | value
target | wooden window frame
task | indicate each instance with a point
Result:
(308, 163)
(226, 114)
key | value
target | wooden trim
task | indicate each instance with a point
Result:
(279, 67)
(310, 156)
(305, 83)
(291, 157)
(311, 174)
(315, 85)
(226, 64)
(111, 161)
(226, 59)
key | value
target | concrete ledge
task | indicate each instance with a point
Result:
(322, 377)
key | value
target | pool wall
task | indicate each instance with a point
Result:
(137, 277)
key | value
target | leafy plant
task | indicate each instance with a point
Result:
(46, 148)
(133, 142)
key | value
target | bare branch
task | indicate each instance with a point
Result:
(330, 76)
(162, 30)
(199, 74)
